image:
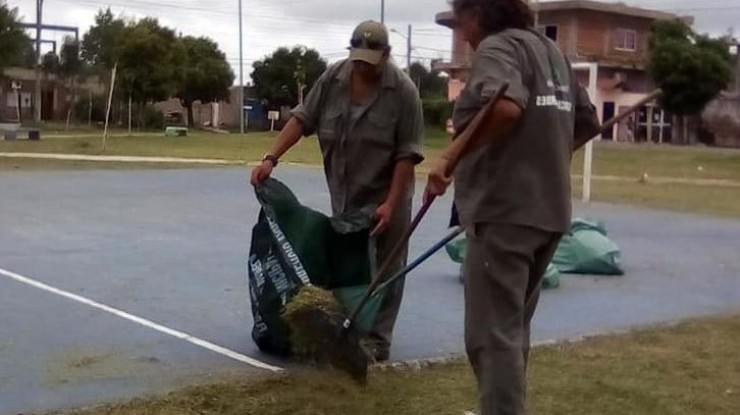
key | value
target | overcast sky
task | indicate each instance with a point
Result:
(322, 24)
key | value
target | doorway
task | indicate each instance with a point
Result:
(608, 114)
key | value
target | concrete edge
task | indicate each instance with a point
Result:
(416, 365)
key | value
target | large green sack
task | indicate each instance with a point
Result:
(457, 249)
(294, 245)
(586, 249)
(551, 278)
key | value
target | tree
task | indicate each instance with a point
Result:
(722, 117)
(70, 62)
(691, 69)
(206, 74)
(13, 40)
(99, 43)
(50, 63)
(71, 70)
(430, 84)
(150, 62)
(27, 58)
(282, 76)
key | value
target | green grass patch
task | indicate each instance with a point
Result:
(632, 160)
(628, 162)
(609, 159)
(692, 368)
(689, 198)
(8, 164)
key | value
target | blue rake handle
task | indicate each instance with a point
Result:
(418, 261)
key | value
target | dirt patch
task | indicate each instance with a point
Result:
(83, 366)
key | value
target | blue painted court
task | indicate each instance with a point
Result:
(159, 256)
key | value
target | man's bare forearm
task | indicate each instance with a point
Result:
(287, 138)
(403, 175)
(494, 129)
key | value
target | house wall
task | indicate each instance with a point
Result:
(591, 36)
(587, 36)
(228, 111)
(56, 97)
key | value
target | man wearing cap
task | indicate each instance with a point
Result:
(368, 118)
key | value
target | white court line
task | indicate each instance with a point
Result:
(142, 321)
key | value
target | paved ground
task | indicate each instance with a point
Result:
(170, 246)
(125, 159)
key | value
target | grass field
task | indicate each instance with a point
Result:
(692, 368)
(704, 180)
(609, 159)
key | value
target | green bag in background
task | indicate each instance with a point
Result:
(552, 278)
(586, 249)
(457, 249)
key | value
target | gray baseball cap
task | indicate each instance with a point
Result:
(369, 42)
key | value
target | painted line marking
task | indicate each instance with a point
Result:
(142, 321)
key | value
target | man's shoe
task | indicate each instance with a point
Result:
(380, 354)
(376, 350)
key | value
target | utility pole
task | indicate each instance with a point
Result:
(409, 48)
(408, 51)
(300, 77)
(737, 66)
(536, 13)
(37, 97)
(382, 11)
(241, 71)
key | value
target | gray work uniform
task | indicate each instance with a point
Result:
(515, 201)
(361, 145)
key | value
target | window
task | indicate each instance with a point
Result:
(550, 31)
(11, 100)
(625, 40)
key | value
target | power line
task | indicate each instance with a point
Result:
(432, 49)
(314, 33)
(146, 5)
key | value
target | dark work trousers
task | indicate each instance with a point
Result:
(382, 332)
(504, 268)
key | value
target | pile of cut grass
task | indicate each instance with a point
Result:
(305, 342)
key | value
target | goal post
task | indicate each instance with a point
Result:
(588, 154)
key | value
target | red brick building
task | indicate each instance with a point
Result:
(612, 35)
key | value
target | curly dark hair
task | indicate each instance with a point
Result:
(498, 15)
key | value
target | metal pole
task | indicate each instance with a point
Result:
(110, 102)
(37, 98)
(588, 156)
(536, 13)
(18, 104)
(382, 11)
(130, 115)
(408, 51)
(241, 71)
(737, 69)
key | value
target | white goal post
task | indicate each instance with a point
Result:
(593, 70)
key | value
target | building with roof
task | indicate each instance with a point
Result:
(613, 36)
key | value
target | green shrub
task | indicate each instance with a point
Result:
(82, 109)
(437, 112)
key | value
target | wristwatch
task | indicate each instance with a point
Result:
(272, 159)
